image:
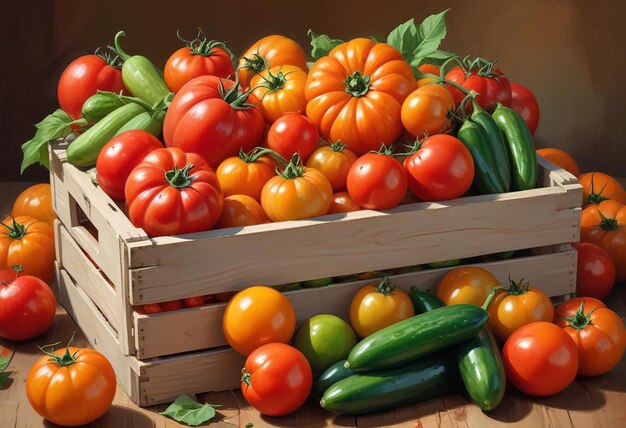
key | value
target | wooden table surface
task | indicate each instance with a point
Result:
(588, 402)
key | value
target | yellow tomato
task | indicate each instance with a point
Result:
(466, 285)
(281, 90)
(35, 202)
(334, 162)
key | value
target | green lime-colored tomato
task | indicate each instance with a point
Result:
(324, 340)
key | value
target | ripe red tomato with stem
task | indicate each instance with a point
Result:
(27, 305)
(120, 156)
(439, 168)
(276, 379)
(480, 76)
(377, 181)
(524, 102)
(200, 57)
(86, 75)
(595, 273)
(293, 133)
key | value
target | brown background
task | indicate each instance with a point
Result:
(570, 53)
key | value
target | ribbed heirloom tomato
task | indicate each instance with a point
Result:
(281, 90)
(427, 110)
(466, 285)
(246, 174)
(598, 187)
(27, 242)
(71, 386)
(36, 202)
(257, 316)
(201, 57)
(355, 94)
(268, 52)
(211, 117)
(172, 192)
(598, 333)
(334, 161)
(605, 225)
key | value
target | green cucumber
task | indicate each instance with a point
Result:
(146, 121)
(416, 337)
(480, 365)
(424, 301)
(383, 390)
(99, 105)
(331, 376)
(84, 150)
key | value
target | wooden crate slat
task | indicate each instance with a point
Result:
(198, 328)
(360, 241)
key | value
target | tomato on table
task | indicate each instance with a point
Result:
(378, 305)
(334, 161)
(36, 202)
(561, 159)
(27, 242)
(569, 308)
(293, 133)
(83, 77)
(468, 284)
(343, 203)
(595, 272)
(519, 305)
(598, 187)
(598, 333)
(120, 156)
(273, 315)
(172, 192)
(276, 379)
(428, 110)
(377, 181)
(27, 305)
(281, 90)
(524, 102)
(239, 211)
(540, 359)
(440, 168)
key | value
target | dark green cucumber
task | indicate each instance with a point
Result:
(331, 376)
(424, 301)
(495, 142)
(84, 150)
(140, 76)
(521, 149)
(383, 390)
(147, 121)
(486, 176)
(480, 365)
(416, 337)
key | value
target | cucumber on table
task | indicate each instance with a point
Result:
(331, 376)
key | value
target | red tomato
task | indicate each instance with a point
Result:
(570, 307)
(377, 181)
(540, 359)
(293, 133)
(492, 86)
(27, 306)
(82, 78)
(118, 158)
(211, 117)
(441, 168)
(171, 192)
(200, 57)
(595, 273)
(524, 102)
(276, 379)
(172, 305)
(192, 302)
(152, 308)
(343, 203)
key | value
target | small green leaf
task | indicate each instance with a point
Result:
(431, 32)
(190, 412)
(321, 45)
(405, 38)
(6, 354)
(249, 425)
(55, 125)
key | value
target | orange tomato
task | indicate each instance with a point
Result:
(241, 210)
(598, 333)
(36, 202)
(569, 308)
(27, 242)
(425, 81)
(429, 69)
(281, 90)
(598, 187)
(427, 110)
(256, 316)
(378, 305)
(334, 161)
(71, 386)
(519, 305)
(561, 159)
(268, 52)
(246, 174)
(343, 203)
(355, 94)
(466, 284)
(604, 224)
(296, 193)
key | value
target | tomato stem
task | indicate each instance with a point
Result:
(16, 230)
(490, 297)
(294, 168)
(384, 285)
(253, 155)
(180, 178)
(596, 198)
(357, 85)
(64, 360)
(235, 97)
(245, 376)
(201, 45)
(580, 321)
(274, 82)
(517, 288)
(257, 63)
(337, 146)
(113, 61)
(608, 224)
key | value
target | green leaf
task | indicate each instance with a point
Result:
(321, 45)
(4, 376)
(190, 412)
(6, 354)
(436, 57)
(55, 125)
(431, 32)
(249, 425)
(405, 39)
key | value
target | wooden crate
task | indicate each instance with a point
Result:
(159, 356)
